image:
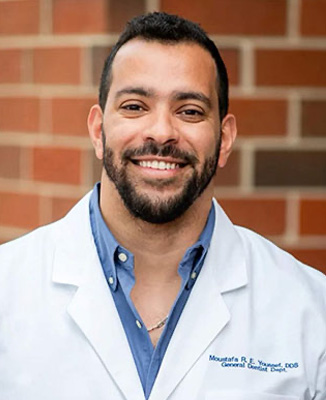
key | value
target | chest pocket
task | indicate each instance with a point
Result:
(239, 395)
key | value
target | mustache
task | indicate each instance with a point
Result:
(154, 149)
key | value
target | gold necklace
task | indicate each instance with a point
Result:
(160, 323)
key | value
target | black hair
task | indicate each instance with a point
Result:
(167, 29)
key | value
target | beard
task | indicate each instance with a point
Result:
(154, 209)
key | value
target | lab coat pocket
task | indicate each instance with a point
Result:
(240, 395)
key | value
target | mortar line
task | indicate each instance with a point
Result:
(45, 19)
(152, 5)
(292, 217)
(293, 18)
(86, 66)
(247, 168)
(26, 67)
(43, 188)
(294, 117)
(108, 39)
(247, 66)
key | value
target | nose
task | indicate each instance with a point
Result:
(161, 128)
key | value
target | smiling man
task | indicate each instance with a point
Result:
(146, 290)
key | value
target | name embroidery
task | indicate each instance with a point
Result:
(253, 364)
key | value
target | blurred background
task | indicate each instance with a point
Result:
(51, 56)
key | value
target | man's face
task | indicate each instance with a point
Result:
(161, 130)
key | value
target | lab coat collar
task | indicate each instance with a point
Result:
(205, 314)
(92, 307)
(227, 253)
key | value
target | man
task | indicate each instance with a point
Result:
(146, 290)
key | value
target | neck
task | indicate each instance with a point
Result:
(154, 245)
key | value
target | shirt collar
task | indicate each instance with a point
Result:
(107, 246)
(193, 259)
(109, 249)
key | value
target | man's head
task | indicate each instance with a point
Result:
(159, 128)
(168, 29)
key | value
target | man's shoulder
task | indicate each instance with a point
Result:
(42, 241)
(269, 263)
(39, 238)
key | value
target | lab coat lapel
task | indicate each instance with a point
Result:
(92, 306)
(205, 314)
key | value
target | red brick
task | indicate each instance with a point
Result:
(19, 114)
(19, 16)
(80, 16)
(231, 60)
(19, 210)
(122, 11)
(60, 207)
(313, 17)
(57, 65)
(250, 17)
(9, 161)
(70, 115)
(229, 175)
(10, 61)
(266, 216)
(94, 16)
(313, 257)
(288, 168)
(260, 117)
(313, 217)
(57, 165)
(291, 67)
(314, 118)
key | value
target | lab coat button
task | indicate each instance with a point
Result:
(122, 257)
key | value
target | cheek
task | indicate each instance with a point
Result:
(120, 133)
(206, 144)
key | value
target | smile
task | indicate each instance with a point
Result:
(162, 165)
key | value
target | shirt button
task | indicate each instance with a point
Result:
(111, 280)
(122, 257)
(193, 275)
(138, 324)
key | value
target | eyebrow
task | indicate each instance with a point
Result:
(193, 96)
(141, 91)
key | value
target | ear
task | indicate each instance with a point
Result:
(228, 135)
(94, 122)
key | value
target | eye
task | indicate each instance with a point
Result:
(191, 114)
(132, 107)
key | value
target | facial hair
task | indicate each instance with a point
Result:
(151, 209)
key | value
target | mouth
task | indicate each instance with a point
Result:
(159, 164)
(151, 157)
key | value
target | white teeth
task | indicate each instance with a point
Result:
(158, 164)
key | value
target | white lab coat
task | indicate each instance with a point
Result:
(61, 337)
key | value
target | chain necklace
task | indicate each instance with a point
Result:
(160, 323)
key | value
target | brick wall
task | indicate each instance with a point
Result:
(51, 54)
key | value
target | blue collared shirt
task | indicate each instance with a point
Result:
(118, 266)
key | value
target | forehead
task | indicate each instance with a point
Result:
(164, 67)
